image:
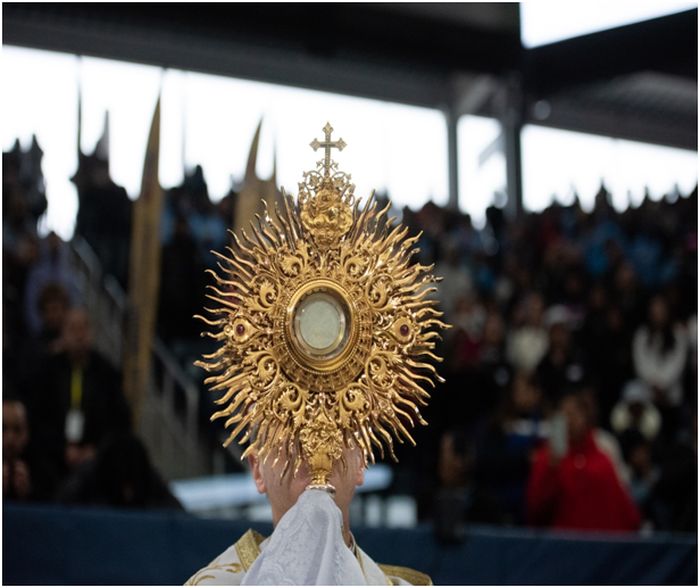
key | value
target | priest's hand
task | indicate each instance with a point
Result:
(284, 488)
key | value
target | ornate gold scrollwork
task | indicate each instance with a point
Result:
(326, 327)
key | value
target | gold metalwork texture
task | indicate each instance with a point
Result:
(287, 405)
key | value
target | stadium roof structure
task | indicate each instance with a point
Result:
(637, 81)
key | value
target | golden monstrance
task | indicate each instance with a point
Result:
(326, 327)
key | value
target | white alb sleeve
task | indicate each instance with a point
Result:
(307, 548)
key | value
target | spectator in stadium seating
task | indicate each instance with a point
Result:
(528, 340)
(643, 472)
(24, 200)
(77, 397)
(32, 180)
(468, 323)
(562, 367)
(604, 439)
(503, 451)
(205, 223)
(430, 219)
(627, 293)
(636, 412)
(181, 285)
(104, 215)
(675, 494)
(52, 267)
(16, 477)
(504, 287)
(573, 484)
(53, 305)
(495, 373)
(19, 251)
(646, 253)
(121, 475)
(607, 347)
(24, 476)
(476, 360)
(227, 206)
(453, 497)
(17, 222)
(456, 282)
(660, 350)
(602, 229)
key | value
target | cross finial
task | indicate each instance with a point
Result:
(327, 144)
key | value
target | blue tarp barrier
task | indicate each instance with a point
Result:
(50, 545)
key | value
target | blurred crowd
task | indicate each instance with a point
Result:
(571, 366)
(67, 431)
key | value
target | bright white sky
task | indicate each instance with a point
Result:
(548, 21)
(390, 146)
(559, 162)
(478, 182)
(400, 148)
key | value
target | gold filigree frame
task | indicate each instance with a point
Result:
(307, 406)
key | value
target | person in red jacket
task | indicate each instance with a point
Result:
(573, 484)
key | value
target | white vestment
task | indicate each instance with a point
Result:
(306, 548)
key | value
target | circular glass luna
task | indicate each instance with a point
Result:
(321, 325)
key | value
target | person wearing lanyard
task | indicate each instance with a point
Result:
(76, 451)
(77, 398)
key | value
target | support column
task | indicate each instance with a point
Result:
(512, 121)
(467, 95)
(451, 118)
